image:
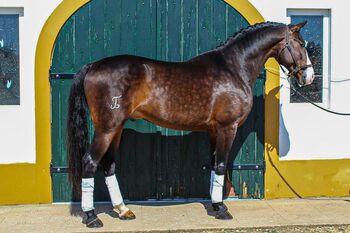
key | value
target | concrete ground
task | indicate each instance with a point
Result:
(249, 216)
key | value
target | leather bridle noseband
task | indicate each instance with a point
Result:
(289, 48)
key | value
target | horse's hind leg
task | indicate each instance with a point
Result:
(109, 166)
(90, 161)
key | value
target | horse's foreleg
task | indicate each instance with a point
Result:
(225, 137)
(213, 138)
(108, 163)
(90, 162)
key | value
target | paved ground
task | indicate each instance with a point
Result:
(282, 215)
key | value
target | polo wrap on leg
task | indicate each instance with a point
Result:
(114, 191)
(216, 187)
(115, 194)
(87, 195)
(212, 174)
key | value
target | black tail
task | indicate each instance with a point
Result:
(77, 130)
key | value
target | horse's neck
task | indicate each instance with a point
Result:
(247, 57)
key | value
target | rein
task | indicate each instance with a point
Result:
(316, 105)
(276, 72)
(289, 48)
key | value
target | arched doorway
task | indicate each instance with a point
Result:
(200, 48)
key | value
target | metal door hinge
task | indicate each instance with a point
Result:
(239, 167)
(58, 170)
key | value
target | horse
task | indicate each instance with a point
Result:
(211, 92)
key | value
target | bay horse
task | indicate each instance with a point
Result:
(211, 92)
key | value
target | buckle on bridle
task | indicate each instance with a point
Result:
(298, 68)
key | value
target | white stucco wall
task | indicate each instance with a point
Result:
(17, 123)
(311, 133)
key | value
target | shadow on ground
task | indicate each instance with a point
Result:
(75, 208)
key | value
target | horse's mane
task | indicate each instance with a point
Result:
(245, 31)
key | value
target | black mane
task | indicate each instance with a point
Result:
(244, 31)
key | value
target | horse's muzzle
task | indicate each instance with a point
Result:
(308, 77)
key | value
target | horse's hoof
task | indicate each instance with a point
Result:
(95, 223)
(223, 215)
(219, 206)
(129, 215)
(221, 211)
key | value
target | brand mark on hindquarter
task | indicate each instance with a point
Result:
(115, 102)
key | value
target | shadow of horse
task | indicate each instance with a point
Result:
(105, 208)
(272, 145)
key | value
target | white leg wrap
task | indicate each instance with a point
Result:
(216, 187)
(212, 174)
(114, 191)
(87, 195)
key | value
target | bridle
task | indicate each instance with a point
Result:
(289, 48)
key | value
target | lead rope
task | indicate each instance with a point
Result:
(273, 71)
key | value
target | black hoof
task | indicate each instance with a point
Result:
(92, 220)
(224, 215)
(221, 211)
(219, 205)
(95, 223)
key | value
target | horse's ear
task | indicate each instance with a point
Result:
(297, 27)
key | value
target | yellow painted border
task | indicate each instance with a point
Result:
(43, 56)
(31, 183)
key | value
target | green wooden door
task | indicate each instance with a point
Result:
(154, 162)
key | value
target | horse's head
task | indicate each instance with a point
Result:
(292, 54)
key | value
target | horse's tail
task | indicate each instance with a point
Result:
(77, 130)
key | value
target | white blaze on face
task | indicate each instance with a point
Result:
(309, 72)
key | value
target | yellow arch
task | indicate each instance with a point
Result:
(43, 57)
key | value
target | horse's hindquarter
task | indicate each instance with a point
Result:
(114, 87)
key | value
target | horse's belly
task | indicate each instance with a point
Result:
(177, 104)
(174, 119)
